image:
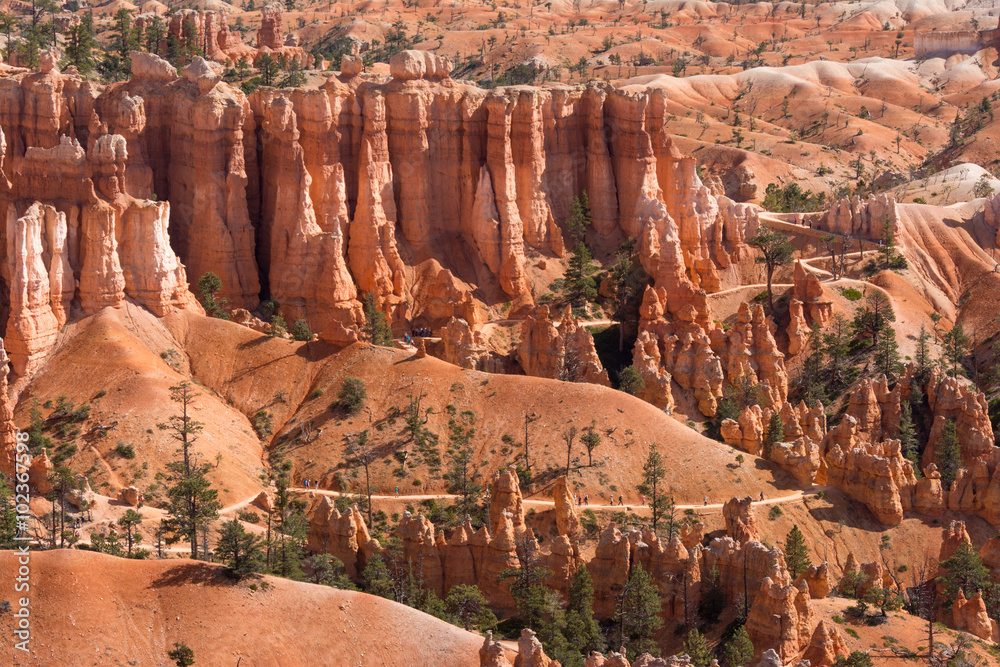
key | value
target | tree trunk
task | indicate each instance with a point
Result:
(770, 294)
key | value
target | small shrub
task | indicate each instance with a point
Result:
(300, 330)
(774, 513)
(352, 395)
(101, 394)
(851, 294)
(248, 516)
(125, 450)
(263, 423)
(852, 632)
(316, 393)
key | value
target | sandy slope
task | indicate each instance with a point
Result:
(91, 609)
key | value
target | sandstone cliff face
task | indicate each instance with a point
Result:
(256, 189)
(565, 352)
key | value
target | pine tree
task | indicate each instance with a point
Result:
(738, 651)
(582, 631)
(796, 553)
(654, 474)
(836, 345)
(8, 516)
(908, 437)
(637, 613)
(191, 501)
(128, 522)
(376, 329)
(775, 433)
(696, 648)
(963, 571)
(775, 251)
(463, 475)
(874, 318)
(811, 379)
(291, 529)
(887, 354)
(954, 350)
(627, 281)
(470, 607)
(579, 217)
(579, 285)
(923, 355)
(239, 550)
(948, 454)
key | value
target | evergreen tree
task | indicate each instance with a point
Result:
(268, 69)
(855, 659)
(8, 516)
(239, 550)
(155, 35)
(191, 501)
(579, 217)
(836, 346)
(182, 655)
(526, 581)
(887, 354)
(796, 553)
(811, 379)
(630, 381)
(954, 350)
(637, 613)
(580, 286)
(470, 607)
(129, 521)
(874, 318)
(208, 286)
(291, 529)
(591, 440)
(582, 631)
(627, 281)
(654, 474)
(948, 454)
(696, 648)
(80, 44)
(376, 579)
(376, 329)
(738, 651)
(908, 437)
(923, 355)
(775, 251)
(7, 23)
(463, 475)
(775, 433)
(963, 571)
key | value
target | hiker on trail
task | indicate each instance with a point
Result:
(621, 500)
(397, 490)
(761, 496)
(586, 499)
(644, 500)
(706, 501)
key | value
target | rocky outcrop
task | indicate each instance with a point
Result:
(876, 475)
(825, 645)
(656, 381)
(8, 430)
(505, 500)
(817, 578)
(740, 522)
(344, 536)
(972, 617)
(864, 217)
(565, 352)
(780, 618)
(815, 304)
(609, 567)
(567, 520)
(465, 347)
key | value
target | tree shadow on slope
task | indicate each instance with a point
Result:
(186, 574)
